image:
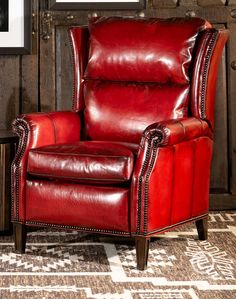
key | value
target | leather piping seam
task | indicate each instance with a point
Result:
(23, 138)
(54, 127)
(88, 229)
(208, 56)
(74, 108)
(38, 151)
(46, 175)
(173, 183)
(171, 226)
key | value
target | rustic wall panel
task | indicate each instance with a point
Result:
(232, 105)
(10, 81)
(47, 78)
(165, 3)
(64, 70)
(211, 2)
(29, 89)
(219, 169)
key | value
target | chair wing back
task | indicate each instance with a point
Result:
(208, 53)
(138, 73)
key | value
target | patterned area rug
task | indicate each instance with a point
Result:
(61, 264)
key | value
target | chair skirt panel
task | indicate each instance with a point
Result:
(85, 207)
(173, 189)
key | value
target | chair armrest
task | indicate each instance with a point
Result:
(40, 129)
(172, 155)
(36, 130)
(175, 131)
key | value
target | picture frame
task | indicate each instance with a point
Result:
(15, 38)
(96, 4)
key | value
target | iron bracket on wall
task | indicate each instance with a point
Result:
(46, 25)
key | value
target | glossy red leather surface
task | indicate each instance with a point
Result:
(86, 160)
(35, 130)
(121, 111)
(104, 208)
(143, 50)
(167, 172)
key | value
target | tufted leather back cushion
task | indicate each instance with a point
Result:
(137, 74)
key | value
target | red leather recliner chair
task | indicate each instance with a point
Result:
(133, 157)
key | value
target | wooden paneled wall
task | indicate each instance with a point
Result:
(43, 81)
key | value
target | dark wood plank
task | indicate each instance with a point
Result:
(232, 106)
(29, 88)
(187, 2)
(165, 3)
(64, 70)
(3, 203)
(29, 69)
(9, 89)
(219, 202)
(7, 152)
(47, 80)
(219, 167)
(7, 136)
(211, 2)
(35, 26)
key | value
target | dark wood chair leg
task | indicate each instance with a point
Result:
(142, 248)
(20, 237)
(202, 225)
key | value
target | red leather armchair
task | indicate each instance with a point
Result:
(133, 157)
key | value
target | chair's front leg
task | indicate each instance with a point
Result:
(142, 248)
(20, 237)
(202, 226)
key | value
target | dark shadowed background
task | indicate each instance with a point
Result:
(4, 15)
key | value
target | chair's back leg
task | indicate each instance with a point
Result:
(20, 237)
(142, 248)
(202, 225)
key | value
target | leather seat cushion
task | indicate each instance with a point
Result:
(99, 161)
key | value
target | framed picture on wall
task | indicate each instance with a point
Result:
(95, 4)
(15, 27)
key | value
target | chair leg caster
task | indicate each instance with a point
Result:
(202, 226)
(20, 237)
(142, 248)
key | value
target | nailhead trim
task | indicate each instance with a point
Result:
(140, 179)
(74, 108)
(21, 128)
(213, 37)
(88, 229)
(152, 143)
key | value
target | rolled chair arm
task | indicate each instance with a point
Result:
(175, 131)
(36, 130)
(159, 144)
